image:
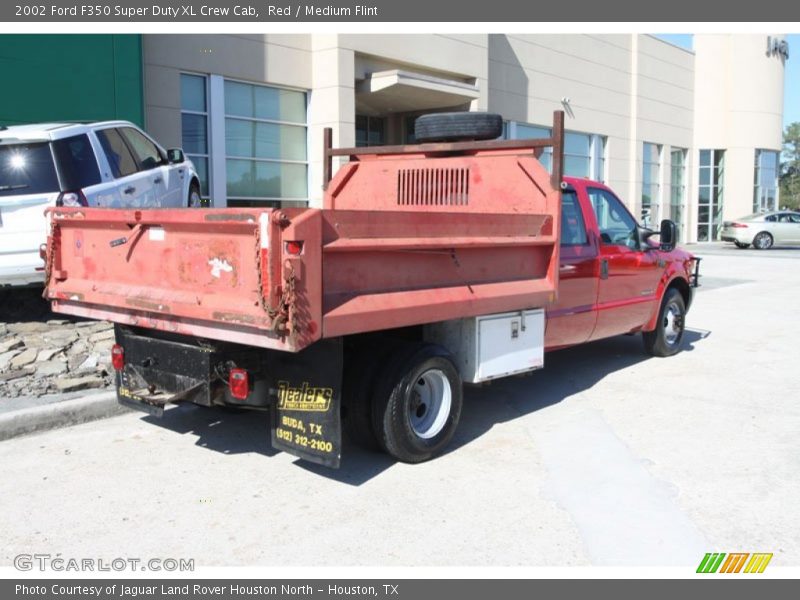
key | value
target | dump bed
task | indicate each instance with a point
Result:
(406, 236)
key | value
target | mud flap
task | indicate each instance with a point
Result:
(305, 418)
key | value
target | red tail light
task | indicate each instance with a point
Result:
(239, 384)
(76, 198)
(738, 225)
(117, 357)
(294, 248)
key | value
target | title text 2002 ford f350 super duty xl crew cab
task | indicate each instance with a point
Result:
(460, 259)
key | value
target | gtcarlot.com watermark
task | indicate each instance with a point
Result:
(56, 562)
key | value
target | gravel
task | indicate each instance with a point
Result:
(43, 353)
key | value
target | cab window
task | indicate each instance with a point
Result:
(616, 225)
(573, 230)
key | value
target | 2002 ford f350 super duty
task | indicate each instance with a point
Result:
(458, 259)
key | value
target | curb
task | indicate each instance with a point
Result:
(60, 414)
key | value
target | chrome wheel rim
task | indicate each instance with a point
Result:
(763, 241)
(431, 399)
(673, 324)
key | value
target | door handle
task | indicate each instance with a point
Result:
(604, 268)
(129, 190)
(158, 180)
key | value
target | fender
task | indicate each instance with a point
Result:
(671, 274)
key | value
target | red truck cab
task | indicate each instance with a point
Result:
(612, 275)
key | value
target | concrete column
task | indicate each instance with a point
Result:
(331, 104)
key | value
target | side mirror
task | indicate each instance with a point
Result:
(668, 235)
(175, 155)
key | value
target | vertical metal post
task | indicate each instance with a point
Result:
(558, 149)
(327, 158)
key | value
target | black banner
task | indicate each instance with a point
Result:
(291, 11)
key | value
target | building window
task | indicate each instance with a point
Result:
(584, 153)
(266, 155)
(523, 131)
(651, 190)
(370, 131)
(710, 194)
(677, 188)
(765, 192)
(194, 125)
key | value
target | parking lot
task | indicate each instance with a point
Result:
(606, 457)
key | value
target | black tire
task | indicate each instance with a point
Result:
(417, 403)
(360, 377)
(741, 245)
(660, 341)
(763, 241)
(193, 200)
(458, 126)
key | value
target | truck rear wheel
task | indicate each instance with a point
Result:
(360, 376)
(417, 403)
(666, 338)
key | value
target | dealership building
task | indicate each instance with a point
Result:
(690, 135)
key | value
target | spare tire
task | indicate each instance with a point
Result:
(458, 126)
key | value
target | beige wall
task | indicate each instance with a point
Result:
(739, 108)
(629, 88)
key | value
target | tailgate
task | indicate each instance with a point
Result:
(207, 273)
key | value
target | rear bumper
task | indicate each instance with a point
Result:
(21, 268)
(741, 235)
(161, 369)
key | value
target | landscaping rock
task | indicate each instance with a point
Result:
(101, 336)
(89, 365)
(79, 383)
(26, 357)
(28, 327)
(5, 358)
(11, 344)
(76, 361)
(62, 337)
(49, 368)
(48, 353)
(16, 374)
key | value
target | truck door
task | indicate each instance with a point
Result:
(627, 285)
(572, 319)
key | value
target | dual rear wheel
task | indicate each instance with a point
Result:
(406, 400)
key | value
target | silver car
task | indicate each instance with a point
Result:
(763, 230)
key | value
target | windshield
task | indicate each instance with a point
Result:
(27, 169)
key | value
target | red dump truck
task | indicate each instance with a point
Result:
(450, 261)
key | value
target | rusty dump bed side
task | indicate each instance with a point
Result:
(407, 236)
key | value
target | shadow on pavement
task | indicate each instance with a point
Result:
(567, 372)
(220, 429)
(25, 304)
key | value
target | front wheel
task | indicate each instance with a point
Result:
(666, 338)
(417, 408)
(194, 200)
